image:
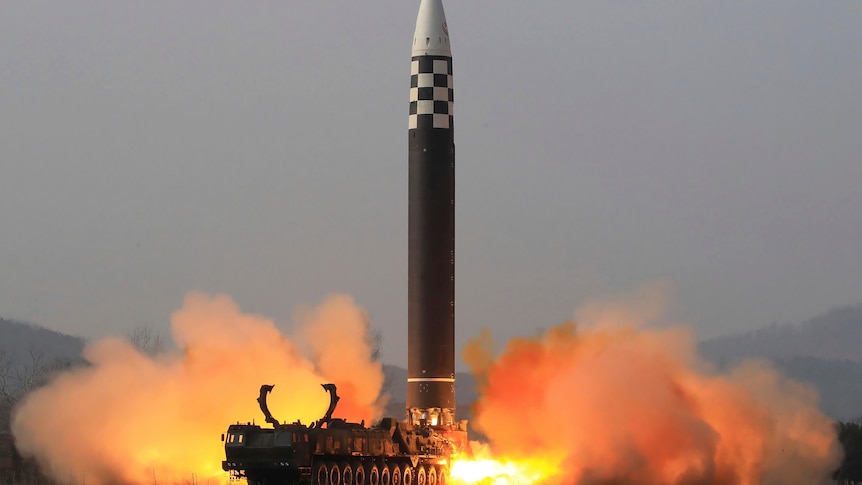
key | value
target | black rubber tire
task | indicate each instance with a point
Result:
(334, 474)
(407, 476)
(346, 474)
(359, 474)
(321, 474)
(442, 475)
(374, 475)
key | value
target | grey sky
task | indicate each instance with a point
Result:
(259, 149)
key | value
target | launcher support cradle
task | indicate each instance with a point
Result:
(326, 419)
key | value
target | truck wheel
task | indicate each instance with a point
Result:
(346, 474)
(359, 474)
(321, 473)
(407, 476)
(432, 475)
(396, 475)
(421, 476)
(385, 476)
(334, 474)
(374, 475)
(442, 475)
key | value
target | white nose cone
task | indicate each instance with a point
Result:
(432, 34)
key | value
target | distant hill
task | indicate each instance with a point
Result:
(839, 383)
(20, 341)
(825, 352)
(837, 335)
(28, 354)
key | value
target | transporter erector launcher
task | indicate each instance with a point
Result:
(431, 239)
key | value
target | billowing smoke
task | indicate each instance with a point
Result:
(132, 418)
(617, 399)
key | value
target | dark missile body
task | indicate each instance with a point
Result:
(431, 268)
(431, 239)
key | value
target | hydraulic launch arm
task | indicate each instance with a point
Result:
(261, 400)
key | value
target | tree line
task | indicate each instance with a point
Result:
(15, 382)
(850, 436)
(17, 379)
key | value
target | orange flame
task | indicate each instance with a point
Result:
(484, 469)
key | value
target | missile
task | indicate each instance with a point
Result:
(431, 232)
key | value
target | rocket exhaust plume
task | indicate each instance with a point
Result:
(131, 418)
(612, 401)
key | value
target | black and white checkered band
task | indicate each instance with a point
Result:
(431, 94)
